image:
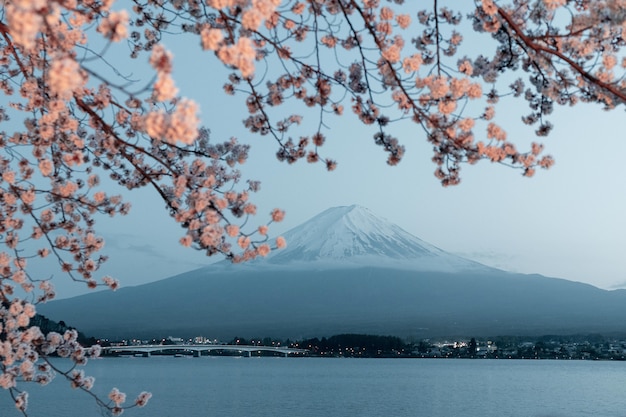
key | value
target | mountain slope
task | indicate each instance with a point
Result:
(347, 271)
(284, 303)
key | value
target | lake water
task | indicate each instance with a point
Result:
(314, 387)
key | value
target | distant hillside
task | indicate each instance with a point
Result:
(46, 326)
(365, 300)
(339, 275)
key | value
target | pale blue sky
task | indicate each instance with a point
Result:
(567, 222)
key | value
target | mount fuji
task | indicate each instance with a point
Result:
(347, 271)
(353, 235)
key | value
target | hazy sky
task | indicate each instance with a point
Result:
(567, 222)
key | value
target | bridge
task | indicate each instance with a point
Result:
(197, 350)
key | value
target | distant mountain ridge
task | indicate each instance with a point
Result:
(347, 271)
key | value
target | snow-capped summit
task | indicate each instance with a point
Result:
(354, 235)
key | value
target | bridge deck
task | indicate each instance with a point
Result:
(201, 348)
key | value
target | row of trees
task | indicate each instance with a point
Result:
(68, 119)
(355, 345)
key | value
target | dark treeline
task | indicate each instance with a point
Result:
(46, 326)
(356, 345)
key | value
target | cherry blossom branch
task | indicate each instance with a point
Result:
(521, 36)
(4, 29)
(104, 126)
(437, 36)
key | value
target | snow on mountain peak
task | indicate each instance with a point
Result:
(354, 235)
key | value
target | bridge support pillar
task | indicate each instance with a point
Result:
(248, 354)
(146, 354)
(286, 354)
(196, 353)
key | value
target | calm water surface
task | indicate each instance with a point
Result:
(314, 387)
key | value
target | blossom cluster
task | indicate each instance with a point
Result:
(25, 349)
(238, 52)
(74, 127)
(453, 98)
